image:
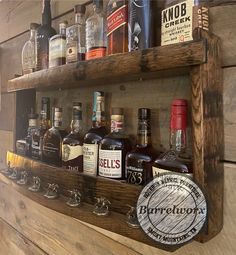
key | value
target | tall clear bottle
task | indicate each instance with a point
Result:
(52, 140)
(176, 158)
(113, 148)
(75, 36)
(180, 18)
(117, 26)
(57, 47)
(96, 40)
(29, 53)
(94, 136)
(72, 144)
(44, 33)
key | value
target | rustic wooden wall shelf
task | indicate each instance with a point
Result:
(200, 59)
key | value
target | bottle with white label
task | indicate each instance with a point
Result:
(72, 144)
(94, 136)
(180, 18)
(113, 148)
(57, 47)
(52, 140)
(176, 159)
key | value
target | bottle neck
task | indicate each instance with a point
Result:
(79, 18)
(117, 123)
(32, 34)
(178, 140)
(32, 123)
(46, 14)
(57, 119)
(76, 126)
(144, 133)
(97, 9)
(62, 30)
(98, 118)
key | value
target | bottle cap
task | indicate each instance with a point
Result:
(45, 100)
(99, 93)
(77, 104)
(77, 111)
(32, 114)
(80, 8)
(34, 26)
(117, 111)
(178, 114)
(98, 3)
(144, 113)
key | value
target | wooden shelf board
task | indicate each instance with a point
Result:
(149, 63)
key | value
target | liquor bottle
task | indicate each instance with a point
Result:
(96, 41)
(117, 26)
(57, 47)
(139, 161)
(52, 140)
(75, 36)
(31, 129)
(180, 18)
(37, 137)
(72, 144)
(94, 136)
(140, 24)
(29, 56)
(113, 148)
(44, 33)
(176, 159)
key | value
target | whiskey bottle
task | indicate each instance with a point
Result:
(117, 26)
(31, 129)
(44, 33)
(52, 140)
(75, 36)
(176, 159)
(37, 137)
(57, 47)
(72, 144)
(96, 41)
(113, 148)
(140, 24)
(139, 161)
(180, 18)
(94, 136)
(29, 56)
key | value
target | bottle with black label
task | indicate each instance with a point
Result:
(94, 136)
(44, 33)
(138, 163)
(180, 18)
(140, 24)
(113, 148)
(52, 140)
(72, 145)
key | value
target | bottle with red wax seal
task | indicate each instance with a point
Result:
(113, 148)
(176, 158)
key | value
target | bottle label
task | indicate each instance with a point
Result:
(110, 163)
(116, 125)
(117, 19)
(157, 171)
(134, 175)
(70, 152)
(57, 49)
(90, 158)
(96, 53)
(32, 122)
(177, 23)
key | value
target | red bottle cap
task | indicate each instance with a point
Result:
(178, 118)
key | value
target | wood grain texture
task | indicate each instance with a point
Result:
(207, 129)
(14, 243)
(7, 143)
(115, 68)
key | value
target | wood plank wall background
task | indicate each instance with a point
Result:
(27, 228)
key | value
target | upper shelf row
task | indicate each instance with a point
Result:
(115, 68)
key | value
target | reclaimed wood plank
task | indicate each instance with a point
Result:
(115, 68)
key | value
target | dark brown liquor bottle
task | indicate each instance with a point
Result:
(138, 164)
(117, 26)
(52, 140)
(113, 148)
(94, 136)
(176, 159)
(140, 24)
(72, 144)
(44, 33)
(37, 137)
(180, 18)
